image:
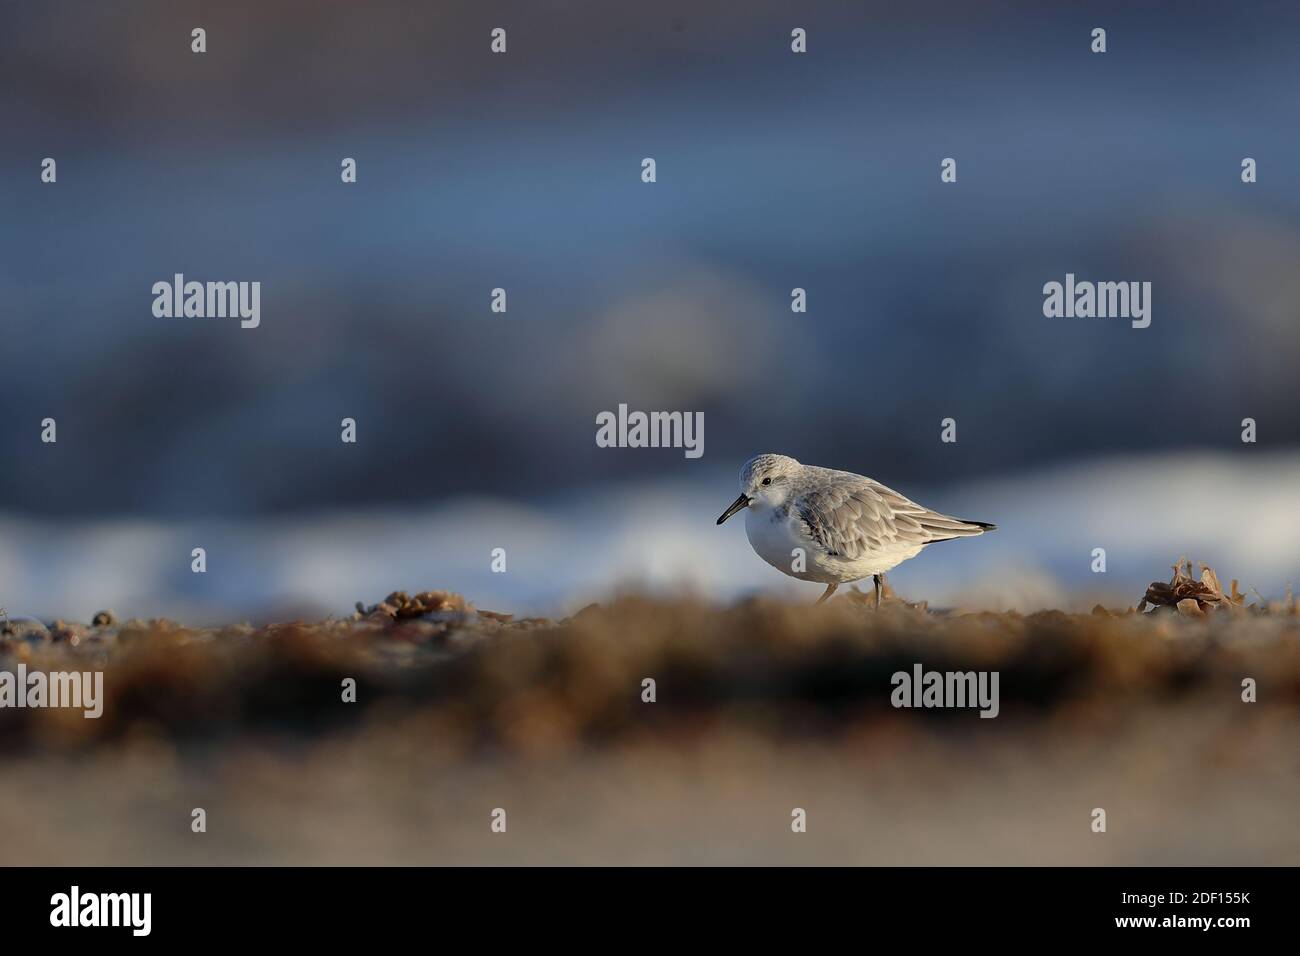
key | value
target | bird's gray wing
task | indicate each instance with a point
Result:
(852, 516)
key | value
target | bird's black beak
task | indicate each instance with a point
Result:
(741, 502)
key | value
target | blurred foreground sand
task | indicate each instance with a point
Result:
(761, 708)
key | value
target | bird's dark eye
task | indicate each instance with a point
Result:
(767, 481)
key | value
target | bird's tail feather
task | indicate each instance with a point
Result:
(945, 529)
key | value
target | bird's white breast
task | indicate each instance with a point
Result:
(775, 533)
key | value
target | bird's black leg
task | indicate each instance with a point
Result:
(830, 589)
(880, 588)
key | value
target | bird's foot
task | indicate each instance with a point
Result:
(830, 589)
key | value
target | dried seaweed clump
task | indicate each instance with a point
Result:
(427, 605)
(401, 606)
(1192, 597)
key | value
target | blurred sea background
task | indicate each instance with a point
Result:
(775, 171)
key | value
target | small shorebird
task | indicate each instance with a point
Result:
(833, 527)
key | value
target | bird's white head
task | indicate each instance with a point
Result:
(765, 482)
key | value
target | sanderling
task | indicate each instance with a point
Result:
(833, 527)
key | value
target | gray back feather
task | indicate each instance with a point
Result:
(849, 515)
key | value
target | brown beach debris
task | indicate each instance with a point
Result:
(1190, 596)
(400, 606)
